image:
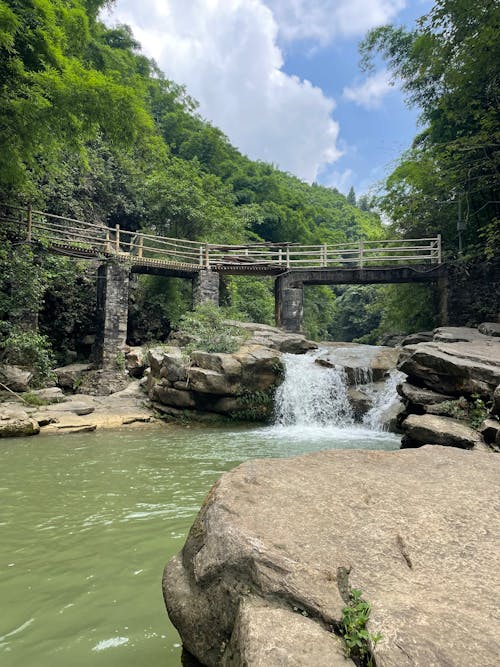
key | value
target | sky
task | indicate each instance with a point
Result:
(281, 79)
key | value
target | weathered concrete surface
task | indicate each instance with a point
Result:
(437, 430)
(454, 368)
(113, 280)
(206, 287)
(417, 531)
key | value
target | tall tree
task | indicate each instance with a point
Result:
(449, 67)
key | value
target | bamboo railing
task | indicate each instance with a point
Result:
(79, 238)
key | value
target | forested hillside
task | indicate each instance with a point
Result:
(90, 128)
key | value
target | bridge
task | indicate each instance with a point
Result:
(120, 252)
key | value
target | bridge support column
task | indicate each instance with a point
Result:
(112, 313)
(443, 290)
(288, 304)
(206, 286)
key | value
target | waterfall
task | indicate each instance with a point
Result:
(384, 402)
(312, 395)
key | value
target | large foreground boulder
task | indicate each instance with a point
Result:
(294, 535)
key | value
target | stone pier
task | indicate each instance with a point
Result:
(112, 312)
(289, 304)
(206, 285)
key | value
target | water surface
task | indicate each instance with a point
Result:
(87, 523)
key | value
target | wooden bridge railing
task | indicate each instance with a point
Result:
(73, 237)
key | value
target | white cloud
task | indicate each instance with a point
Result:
(370, 93)
(226, 53)
(340, 180)
(322, 20)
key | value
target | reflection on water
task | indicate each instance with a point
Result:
(87, 523)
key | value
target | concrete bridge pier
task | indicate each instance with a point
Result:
(112, 313)
(289, 304)
(206, 287)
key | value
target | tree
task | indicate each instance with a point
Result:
(449, 67)
(351, 196)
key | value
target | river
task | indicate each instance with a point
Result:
(88, 522)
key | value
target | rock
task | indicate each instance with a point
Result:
(392, 339)
(430, 429)
(273, 637)
(103, 382)
(174, 397)
(360, 402)
(418, 396)
(490, 329)
(76, 407)
(135, 362)
(297, 533)
(210, 382)
(77, 428)
(490, 430)
(15, 377)
(69, 377)
(274, 338)
(50, 394)
(496, 401)
(418, 337)
(363, 364)
(456, 335)
(18, 427)
(227, 364)
(454, 368)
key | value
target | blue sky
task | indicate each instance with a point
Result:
(281, 78)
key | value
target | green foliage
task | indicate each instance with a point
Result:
(256, 406)
(209, 332)
(27, 348)
(33, 399)
(251, 299)
(358, 640)
(449, 67)
(478, 411)
(319, 311)
(406, 308)
(120, 360)
(473, 410)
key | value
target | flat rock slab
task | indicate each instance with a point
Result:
(417, 531)
(437, 430)
(454, 368)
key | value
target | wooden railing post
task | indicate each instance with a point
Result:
(360, 250)
(207, 256)
(140, 246)
(288, 257)
(439, 248)
(325, 255)
(117, 238)
(29, 223)
(201, 256)
(280, 256)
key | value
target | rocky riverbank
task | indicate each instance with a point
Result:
(452, 393)
(279, 545)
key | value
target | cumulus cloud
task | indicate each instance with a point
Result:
(370, 93)
(226, 53)
(322, 20)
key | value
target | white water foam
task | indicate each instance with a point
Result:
(312, 395)
(384, 401)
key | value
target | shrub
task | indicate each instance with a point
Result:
(209, 331)
(31, 349)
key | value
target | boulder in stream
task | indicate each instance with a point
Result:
(279, 542)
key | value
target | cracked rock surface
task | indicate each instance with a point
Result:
(417, 531)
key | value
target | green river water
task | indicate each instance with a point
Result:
(87, 523)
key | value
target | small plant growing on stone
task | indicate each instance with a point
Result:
(358, 641)
(120, 360)
(478, 411)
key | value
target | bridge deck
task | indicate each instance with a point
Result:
(151, 253)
